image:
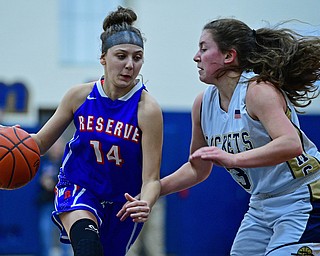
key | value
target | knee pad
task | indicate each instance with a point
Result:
(85, 240)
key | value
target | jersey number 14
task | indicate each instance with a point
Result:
(113, 154)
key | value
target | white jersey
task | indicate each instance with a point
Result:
(235, 131)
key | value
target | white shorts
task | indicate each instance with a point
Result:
(284, 225)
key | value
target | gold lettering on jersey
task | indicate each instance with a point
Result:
(304, 251)
(110, 127)
(303, 165)
(233, 142)
(315, 190)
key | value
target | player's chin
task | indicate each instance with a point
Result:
(126, 80)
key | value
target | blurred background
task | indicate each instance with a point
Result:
(48, 46)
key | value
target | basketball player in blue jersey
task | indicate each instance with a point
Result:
(115, 151)
(247, 122)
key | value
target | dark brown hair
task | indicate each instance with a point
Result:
(281, 56)
(120, 20)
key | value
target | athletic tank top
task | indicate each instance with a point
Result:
(105, 154)
(235, 131)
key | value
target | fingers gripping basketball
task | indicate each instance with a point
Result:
(19, 157)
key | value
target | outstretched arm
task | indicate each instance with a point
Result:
(62, 117)
(151, 124)
(189, 174)
(194, 171)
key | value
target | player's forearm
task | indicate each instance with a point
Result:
(275, 152)
(150, 192)
(181, 179)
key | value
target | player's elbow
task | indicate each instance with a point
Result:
(297, 150)
(202, 169)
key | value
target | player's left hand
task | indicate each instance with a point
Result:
(137, 209)
(216, 155)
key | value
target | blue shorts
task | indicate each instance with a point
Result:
(116, 236)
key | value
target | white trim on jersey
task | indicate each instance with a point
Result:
(123, 98)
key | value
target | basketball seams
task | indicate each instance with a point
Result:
(8, 138)
(16, 144)
(12, 173)
(22, 140)
(10, 151)
(31, 149)
(21, 152)
(20, 156)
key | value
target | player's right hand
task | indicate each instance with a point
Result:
(137, 209)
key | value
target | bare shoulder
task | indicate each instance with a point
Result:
(148, 103)
(262, 87)
(263, 95)
(149, 110)
(198, 101)
(197, 140)
(77, 94)
(81, 90)
(196, 107)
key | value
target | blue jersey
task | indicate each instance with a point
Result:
(105, 153)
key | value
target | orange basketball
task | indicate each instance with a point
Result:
(19, 157)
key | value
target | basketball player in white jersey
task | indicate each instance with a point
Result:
(246, 121)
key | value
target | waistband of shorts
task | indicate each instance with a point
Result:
(304, 181)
